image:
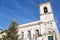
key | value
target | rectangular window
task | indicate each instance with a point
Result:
(50, 37)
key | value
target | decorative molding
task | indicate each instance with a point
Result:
(46, 13)
(38, 23)
(31, 25)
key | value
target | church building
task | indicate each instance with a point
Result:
(43, 29)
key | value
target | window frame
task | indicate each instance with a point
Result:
(45, 9)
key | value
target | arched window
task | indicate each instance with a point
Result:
(29, 35)
(37, 32)
(45, 10)
(22, 35)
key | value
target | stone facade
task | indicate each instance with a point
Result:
(43, 29)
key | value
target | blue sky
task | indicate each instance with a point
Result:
(25, 11)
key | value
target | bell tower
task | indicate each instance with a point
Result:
(48, 23)
(46, 13)
(45, 8)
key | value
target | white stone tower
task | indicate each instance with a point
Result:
(48, 26)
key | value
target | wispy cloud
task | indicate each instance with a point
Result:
(26, 12)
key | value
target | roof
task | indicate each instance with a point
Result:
(45, 3)
(30, 24)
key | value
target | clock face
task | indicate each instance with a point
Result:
(45, 10)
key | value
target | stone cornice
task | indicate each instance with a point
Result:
(31, 25)
(34, 24)
(46, 13)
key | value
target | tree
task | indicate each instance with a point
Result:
(12, 31)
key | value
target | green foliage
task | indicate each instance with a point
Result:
(12, 31)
